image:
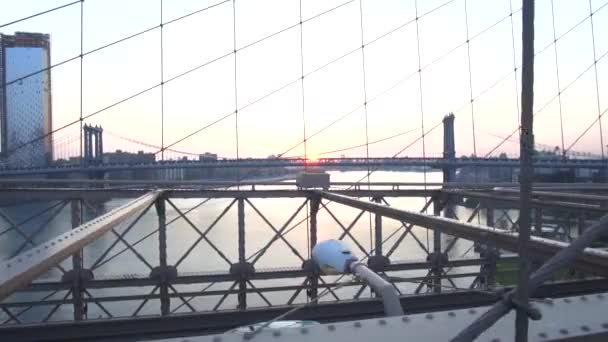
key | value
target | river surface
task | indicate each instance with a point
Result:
(204, 258)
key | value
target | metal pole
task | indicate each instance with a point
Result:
(527, 168)
(581, 223)
(538, 221)
(242, 258)
(165, 301)
(490, 216)
(437, 250)
(315, 202)
(77, 293)
(491, 252)
(377, 231)
(386, 290)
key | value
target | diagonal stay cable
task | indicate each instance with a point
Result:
(151, 87)
(569, 84)
(370, 143)
(297, 80)
(546, 104)
(41, 13)
(397, 83)
(191, 70)
(585, 131)
(115, 42)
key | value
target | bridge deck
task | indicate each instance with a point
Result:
(573, 318)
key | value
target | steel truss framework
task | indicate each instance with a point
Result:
(81, 288)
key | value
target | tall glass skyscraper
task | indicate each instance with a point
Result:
(25, 100)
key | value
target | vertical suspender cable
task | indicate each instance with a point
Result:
(81, 70)
(466, 20)
(308, 245)
(366, 118)
(421, 106)
(597, 88)
(302, 90)
(162, 86)
(236, 103)
(559, 89)
(516, 82)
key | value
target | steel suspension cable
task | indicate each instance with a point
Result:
(302, 89)
(115, 42)
(559, 93)
(81, 79)
(236, 97)
(158, 84)
(597, 88)
(364, 81)
(41, 13)
(516, 81)
(421, 104)
(466, 20)
(162, 84)
(546, 104)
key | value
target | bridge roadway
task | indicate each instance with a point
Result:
(354, 162)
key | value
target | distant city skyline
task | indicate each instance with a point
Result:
(275, 124)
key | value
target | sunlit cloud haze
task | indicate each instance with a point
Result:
(398, 102)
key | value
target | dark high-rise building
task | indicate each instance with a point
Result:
(25, 100)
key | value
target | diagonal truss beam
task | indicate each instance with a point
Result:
(14, 225)
(122, 235)
(201, 234)
(29, 239)
(25, 267)
(257, 255)
(117, 254)
(346, 230)
(593, 261)
(408, 229)
(291, 247)
(204, 234)
(452, 243)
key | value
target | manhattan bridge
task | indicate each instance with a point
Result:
(196, 156)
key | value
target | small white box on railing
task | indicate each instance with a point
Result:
(311, 180)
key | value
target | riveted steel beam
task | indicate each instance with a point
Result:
(591, 260)
(20, 270)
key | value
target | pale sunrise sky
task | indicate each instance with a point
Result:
(275, 124)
